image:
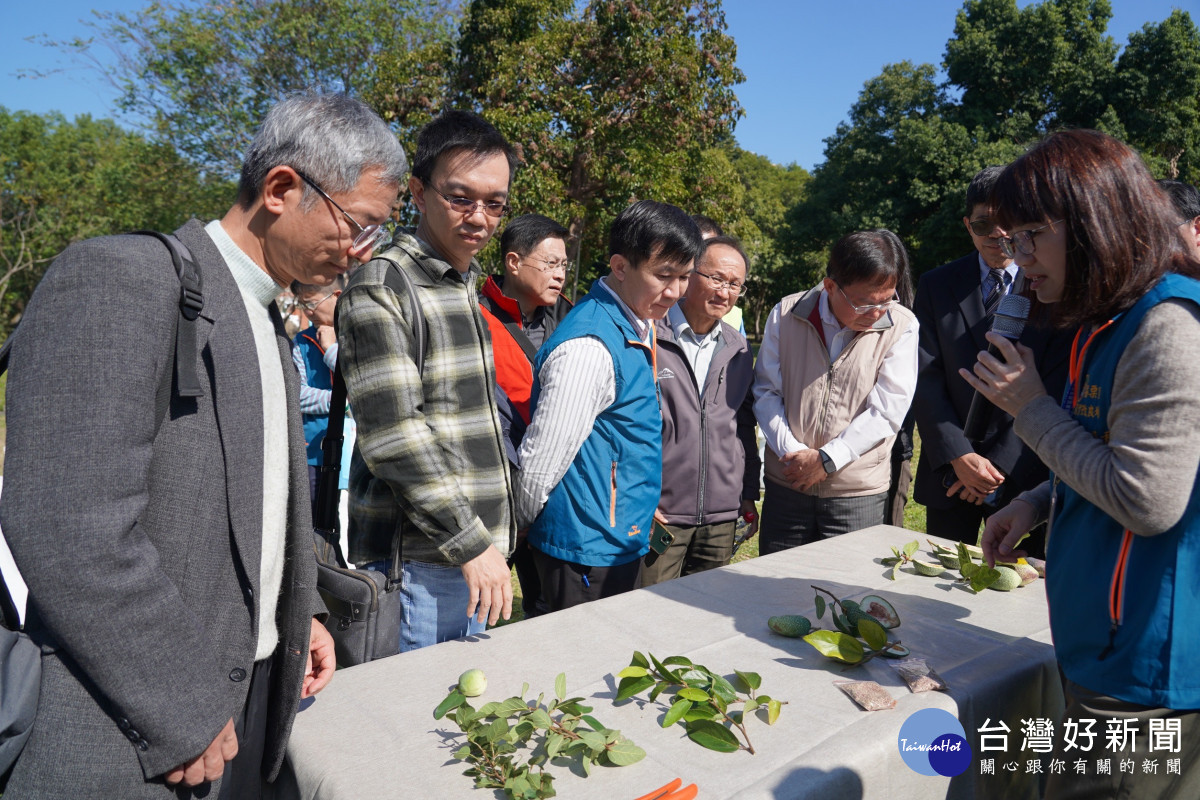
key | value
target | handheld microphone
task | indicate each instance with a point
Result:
(1008, 321)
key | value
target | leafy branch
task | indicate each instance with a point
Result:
(496, 729)
(869, 621)
(702, 699)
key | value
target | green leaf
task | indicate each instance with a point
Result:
(462, 752)
(677, 661)
(657, 690)
(633, 672)
(663, 669)
(887, 562)
(750, 705)
(639, 660)
(707, 733)
(676, 712)
(695, 677)
(594, 723)
(540, 719)
(595, 741)
(873, 633)
(524, 689)
(723, 689)
(628, 687)
(701, 711)
(496, 730)
(560, 685)
(554, 741)
(453, 700)
(984, 577)
(773, 709)
(752, 680)
(911, 548)
(763, 698)
(837, 645)
(511, 706)
(896, 552)
(820, 601)
(689, 693)
(624, 752)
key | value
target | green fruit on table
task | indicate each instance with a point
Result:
(949, 560)
(791, 625)
(927, 569)
(1009, 579)
(472, 683)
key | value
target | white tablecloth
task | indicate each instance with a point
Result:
(371, 733)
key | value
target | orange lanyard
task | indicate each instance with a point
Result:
(1075, 366)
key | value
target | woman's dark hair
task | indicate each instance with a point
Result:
(1120, 227)
(875, 257)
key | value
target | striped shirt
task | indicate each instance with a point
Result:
(433, 438)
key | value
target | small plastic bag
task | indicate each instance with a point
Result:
(868, 694)
(919, 676)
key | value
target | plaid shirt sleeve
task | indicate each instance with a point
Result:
(394, 436)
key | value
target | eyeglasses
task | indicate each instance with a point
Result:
(982, 227)
(550, 266)
(311, 305)
(466, 206)
(1022, 241)
(371, 235)
(717, 284)
(860, 310)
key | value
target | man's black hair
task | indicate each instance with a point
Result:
(874, 258)
(523, 234)
(707, 225)
(1185, 197)
(459, 130)
(648, 229)
(980, 187)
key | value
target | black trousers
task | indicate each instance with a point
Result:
(565, 584)
(791, 518)
(243, 778)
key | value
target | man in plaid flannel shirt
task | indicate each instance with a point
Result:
(431, 438)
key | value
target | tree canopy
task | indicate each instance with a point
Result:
(911, 144)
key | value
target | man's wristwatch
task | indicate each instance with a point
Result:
(827, 463)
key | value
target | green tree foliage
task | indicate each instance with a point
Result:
(608, 102)
(911, 145)
(205, 73)
(66, 181)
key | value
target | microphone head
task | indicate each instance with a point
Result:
(1011, 315)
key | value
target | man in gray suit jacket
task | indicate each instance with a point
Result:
(167, 540)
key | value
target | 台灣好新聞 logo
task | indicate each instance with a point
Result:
(933, 742)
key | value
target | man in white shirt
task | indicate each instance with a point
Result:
(592, 456)
(835, 376)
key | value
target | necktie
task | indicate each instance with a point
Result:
(993, 291)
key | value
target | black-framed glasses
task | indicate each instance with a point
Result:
(311, 305)
(717, 284)
(982, 227)
(370, 235)
(868, 309)
(466, 206)
(1023, 241)
(549, 266)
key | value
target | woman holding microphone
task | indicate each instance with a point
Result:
(1098, 244)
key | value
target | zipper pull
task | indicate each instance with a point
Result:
(1112, 636)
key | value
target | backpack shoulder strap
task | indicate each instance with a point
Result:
(191, 302)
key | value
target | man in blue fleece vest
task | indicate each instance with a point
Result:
(591, 459)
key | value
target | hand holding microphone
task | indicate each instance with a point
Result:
(1006, 375)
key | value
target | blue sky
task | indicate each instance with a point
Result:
(805, 60)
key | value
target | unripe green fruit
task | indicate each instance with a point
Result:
(1008, 580)
(472, 683)
(793, 625)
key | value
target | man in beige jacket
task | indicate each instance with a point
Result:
(835, 376)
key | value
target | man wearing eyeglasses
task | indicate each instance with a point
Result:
(166, 535)
(961, 482)
(834, 378)
(430, 448)
(710, 463)
(522, 307)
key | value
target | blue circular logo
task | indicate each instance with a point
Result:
(933, 742)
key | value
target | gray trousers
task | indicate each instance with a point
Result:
(695, 549)
(791, 518)
(1142, 781)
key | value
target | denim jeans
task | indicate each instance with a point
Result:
(433, 604)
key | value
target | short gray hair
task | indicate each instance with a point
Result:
(331, 138)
